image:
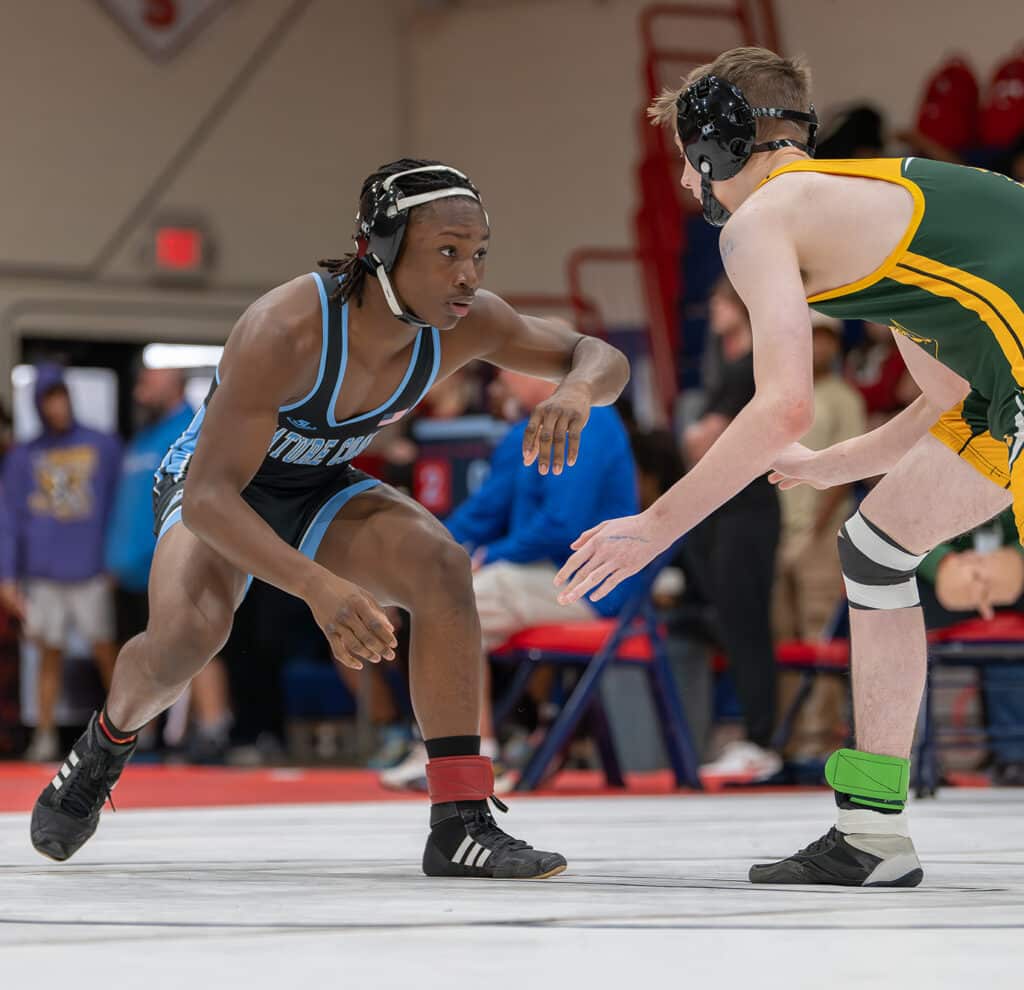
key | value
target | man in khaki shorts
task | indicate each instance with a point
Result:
(58, 490)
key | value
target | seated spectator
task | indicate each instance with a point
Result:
(58, 490)
(808, 579)
(876, 370)
(980, 573)
(518, 527)
(733, 553)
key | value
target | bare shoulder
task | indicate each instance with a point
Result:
(286, 321)
(276, 344)
(764, 219)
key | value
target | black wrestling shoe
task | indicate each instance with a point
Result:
(68, 811)
(465, 841)
(857, 860)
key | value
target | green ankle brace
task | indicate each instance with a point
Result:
(869, 779)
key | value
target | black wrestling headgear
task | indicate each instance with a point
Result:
(379, 235)
(718, 129)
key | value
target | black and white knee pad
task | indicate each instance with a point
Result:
(877, 571)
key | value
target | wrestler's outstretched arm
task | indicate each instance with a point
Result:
(589, 372)
(762, 263)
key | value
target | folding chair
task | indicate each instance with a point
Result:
(972, 643)
(812, 658)
(635, 637)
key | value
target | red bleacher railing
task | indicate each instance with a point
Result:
(578, 308)
(659, 233)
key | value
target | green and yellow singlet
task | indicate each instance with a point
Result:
(954, 285)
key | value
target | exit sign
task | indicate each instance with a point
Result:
(180, 250)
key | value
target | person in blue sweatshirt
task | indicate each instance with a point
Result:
(57, 491)
(518, 526)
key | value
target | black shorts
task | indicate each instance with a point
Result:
(299, 516)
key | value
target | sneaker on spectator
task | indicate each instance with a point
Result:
(394, 743)
(741, 762)
(265, 750)
(407, 774)
(207, 747)
(44, 747)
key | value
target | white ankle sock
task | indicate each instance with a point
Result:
(863, 821)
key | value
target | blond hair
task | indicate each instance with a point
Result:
(765, 79)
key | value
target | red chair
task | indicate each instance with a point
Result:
(972, 643)
(810, 659)
(635, 637)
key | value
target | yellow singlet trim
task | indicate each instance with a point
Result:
(995, 307)
(885, 169)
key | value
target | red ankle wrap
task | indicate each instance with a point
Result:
(117, 740)
(460, 778)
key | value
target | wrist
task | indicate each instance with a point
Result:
(657, 523)
(580, 386)
(310, 582)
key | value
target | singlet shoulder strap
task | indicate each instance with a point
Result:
(888, 169)
(333, 350)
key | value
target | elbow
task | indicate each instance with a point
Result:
(790, 418)
(623, 369)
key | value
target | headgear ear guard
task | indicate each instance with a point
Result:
(379, 236)
(718, 129)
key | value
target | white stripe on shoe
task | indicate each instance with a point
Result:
(478, 854)
(57, 782)
(467, 842)
(65, 771)
(483, 859)
(73, 758)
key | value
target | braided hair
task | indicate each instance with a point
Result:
(352, 269)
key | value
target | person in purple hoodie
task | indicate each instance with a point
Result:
(57, 493)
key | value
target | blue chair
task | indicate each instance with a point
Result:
(635, 637)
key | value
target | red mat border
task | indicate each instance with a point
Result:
(203, 787)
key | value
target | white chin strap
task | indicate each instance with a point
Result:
(392, 300)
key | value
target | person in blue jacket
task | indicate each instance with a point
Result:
(518, 526)
(159, 395)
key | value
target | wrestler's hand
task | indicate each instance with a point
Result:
(799, 465)
(606, 555)
(562, 416)
(354, 624)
